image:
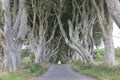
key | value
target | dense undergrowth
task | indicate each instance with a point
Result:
(26, 72)
(100, 72)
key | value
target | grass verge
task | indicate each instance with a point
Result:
(100, 72)
(25, 73)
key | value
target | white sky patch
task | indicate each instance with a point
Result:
(116, 35)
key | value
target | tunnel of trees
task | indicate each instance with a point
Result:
(55, 30)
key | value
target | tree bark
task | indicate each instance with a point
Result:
(106, 27)
(109, 54)
(14, 34)
(74, 45)
(114, 9)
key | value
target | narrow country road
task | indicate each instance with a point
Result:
(63, 72)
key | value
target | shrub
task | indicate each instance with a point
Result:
(26, 60)
(33, 67)
(117, 52)
(98, 54)
(27, 57)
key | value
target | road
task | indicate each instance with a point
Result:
(63, 72)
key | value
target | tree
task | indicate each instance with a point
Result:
(15, 29)
(105, 22)
(40, 23)
(114, 10)
(2, 52)
(81, 23)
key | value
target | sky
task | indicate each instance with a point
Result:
(116, 35)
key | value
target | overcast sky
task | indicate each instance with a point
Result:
(116, 35)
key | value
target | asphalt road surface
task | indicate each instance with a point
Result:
(63, 72)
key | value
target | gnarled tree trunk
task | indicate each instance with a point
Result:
(106, 27)
(80, 29)
(14, 33)
(109, 55)
(114, 9)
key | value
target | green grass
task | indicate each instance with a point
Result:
(28, 71)
(100, 72)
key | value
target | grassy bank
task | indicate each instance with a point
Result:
(26, 72)
(101, 72)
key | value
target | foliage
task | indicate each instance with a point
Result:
(26, 60)
(101, 72)
(117, 52)
(26, 72)
(27, 57)
(98, 54)
(97, 35)
(35, 68)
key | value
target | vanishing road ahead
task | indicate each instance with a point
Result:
(63, 72)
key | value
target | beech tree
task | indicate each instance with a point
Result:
(106, 26)
(43, 22)
(80, 23)
(39, 22)
(114, 10)
(15, 29)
